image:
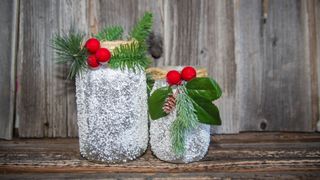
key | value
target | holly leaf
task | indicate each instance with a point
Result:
(206, 111)
(204, 87)
(156, 102)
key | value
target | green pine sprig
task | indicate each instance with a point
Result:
(134, 55)
(129, 56)
(68, 48)
(186, 120)
(142, 29)
(110, 33)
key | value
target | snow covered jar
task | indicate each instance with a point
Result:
(112, 112)
(111, 88)
(181, 112)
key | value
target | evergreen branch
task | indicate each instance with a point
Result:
(69, 51)
(186, 120)
(110, 33)
(129, 56)
(142, 29)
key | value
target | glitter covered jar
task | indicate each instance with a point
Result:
(112, 114)
(197, 140)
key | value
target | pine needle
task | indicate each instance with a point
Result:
(110, 33)
(142, 29)
(129, 56)
(69, 51)
(186, 120)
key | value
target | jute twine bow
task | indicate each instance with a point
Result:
(158, 73)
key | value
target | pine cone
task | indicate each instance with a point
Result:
(169, 104)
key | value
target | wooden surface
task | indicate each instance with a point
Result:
(317, 22)
(264, 54)
(46, 100)
(7, 66)
(72, 14)
(275, 67)
(248, 155)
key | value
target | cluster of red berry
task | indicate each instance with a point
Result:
(175, 77)
(97, 55)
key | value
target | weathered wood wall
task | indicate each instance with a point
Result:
(8, 20)
(45, 100)
(263, 53)
(275, 60)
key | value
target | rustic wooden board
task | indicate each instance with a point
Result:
(317, 22)
(41, 106)
(311, 53)
(267, 68)
(274, 68)
(265, 154)
(166, 176)
(72, 14)
(45, 101)
(216, 52)
(8, 21)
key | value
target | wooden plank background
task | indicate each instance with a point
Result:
(275, 66)
(263, 53)
(8, 20)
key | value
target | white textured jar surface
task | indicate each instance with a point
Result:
(196, 141)
(112, 114)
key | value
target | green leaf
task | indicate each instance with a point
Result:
(206, 111)
(156, 102)
(204, 87)
(150, 83)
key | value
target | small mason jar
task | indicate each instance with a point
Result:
(112, 113)
(197, 140)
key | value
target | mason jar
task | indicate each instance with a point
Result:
(197, 140)
(112, 114)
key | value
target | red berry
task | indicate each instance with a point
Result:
(92, 62)
(188, 73)
(92, 45)
(173, 77)
(103, 55)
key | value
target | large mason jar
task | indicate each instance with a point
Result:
(112, 113)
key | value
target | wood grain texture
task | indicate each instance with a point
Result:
(264, 54)
(266, 154)
(317, 22)
(311, 54)
(216, 53)
(45, 100)
(72, 14)
(8, 21)
(41, 106)
(166, 176)
(274, 74)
